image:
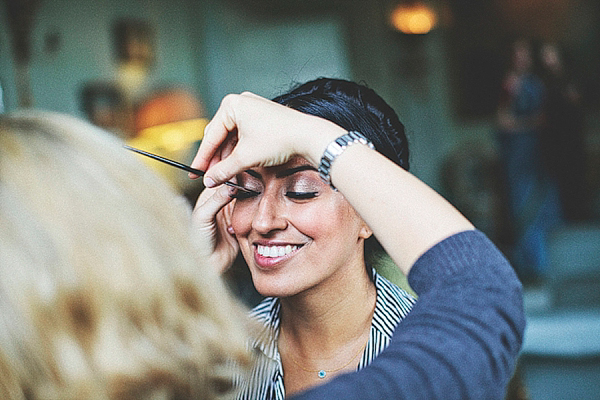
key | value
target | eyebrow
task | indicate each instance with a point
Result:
(284, 173)
(292, 171)
(253, 173)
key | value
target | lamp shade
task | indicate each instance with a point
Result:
(414, 18)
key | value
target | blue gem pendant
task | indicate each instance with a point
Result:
(322, 374)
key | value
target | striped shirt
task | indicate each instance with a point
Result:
(266, 379)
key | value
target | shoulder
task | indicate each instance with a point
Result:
(467, 259)
(264, 338)
(391, 294)
(392, 305)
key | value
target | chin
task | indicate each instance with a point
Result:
(274, 292)
(275, 289)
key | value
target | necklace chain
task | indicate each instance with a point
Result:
(322, 373)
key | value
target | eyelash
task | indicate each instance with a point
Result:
(301, 195)
(243, 195)
(294, 195)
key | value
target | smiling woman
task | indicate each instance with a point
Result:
(327, 311)
(297, 210)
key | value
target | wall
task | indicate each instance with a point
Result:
(265, 55)
(411, 74)
(216, 48)
(86, 51)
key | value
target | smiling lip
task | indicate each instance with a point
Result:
(267, 256)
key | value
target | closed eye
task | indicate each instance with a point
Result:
(244, 195)
(301, 195)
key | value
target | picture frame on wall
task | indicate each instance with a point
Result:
(105, 106)
(134, 42)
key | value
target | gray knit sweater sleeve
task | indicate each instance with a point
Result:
(461, 339)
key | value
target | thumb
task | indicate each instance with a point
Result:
(224, 170)
(210, 202)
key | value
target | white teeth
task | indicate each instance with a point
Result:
(275, 251)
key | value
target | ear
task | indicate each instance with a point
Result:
(365, 232)
(228, 212)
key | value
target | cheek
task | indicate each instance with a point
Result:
(241, 219)
(323, 219)
(314, 219)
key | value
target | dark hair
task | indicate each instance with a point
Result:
(354, 107)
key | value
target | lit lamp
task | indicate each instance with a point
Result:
(172, 140)
(169, 123)
(414, 18)
(134, 41)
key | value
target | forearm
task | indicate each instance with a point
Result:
(406, 215)
(462, 338)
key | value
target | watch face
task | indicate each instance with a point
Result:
(337, 147)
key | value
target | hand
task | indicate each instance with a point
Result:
(248, 131)
(212, 228)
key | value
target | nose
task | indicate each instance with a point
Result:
(270, 214)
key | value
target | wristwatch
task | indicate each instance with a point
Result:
(337, 147)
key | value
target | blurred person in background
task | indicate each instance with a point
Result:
(563, 141)
(531, 193)
(101, 293)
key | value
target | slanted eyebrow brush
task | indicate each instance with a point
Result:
(185, 167)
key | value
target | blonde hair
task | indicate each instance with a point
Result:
(101, 296)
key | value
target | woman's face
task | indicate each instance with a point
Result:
(298, 232)
(522, 56)
(550, 57)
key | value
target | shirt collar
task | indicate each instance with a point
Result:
(267, 313)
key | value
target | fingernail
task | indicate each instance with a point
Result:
(230, 230)
(231, 191)
(209, 182)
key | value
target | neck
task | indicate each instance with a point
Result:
(320, 320)
(324, 329)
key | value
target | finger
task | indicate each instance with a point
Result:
(250, 94)
(215, 133)
(225, 169)
(207, 150)
(229, 144)
(225, 149)
(210, 202)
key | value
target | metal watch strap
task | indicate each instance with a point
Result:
(337, 147)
